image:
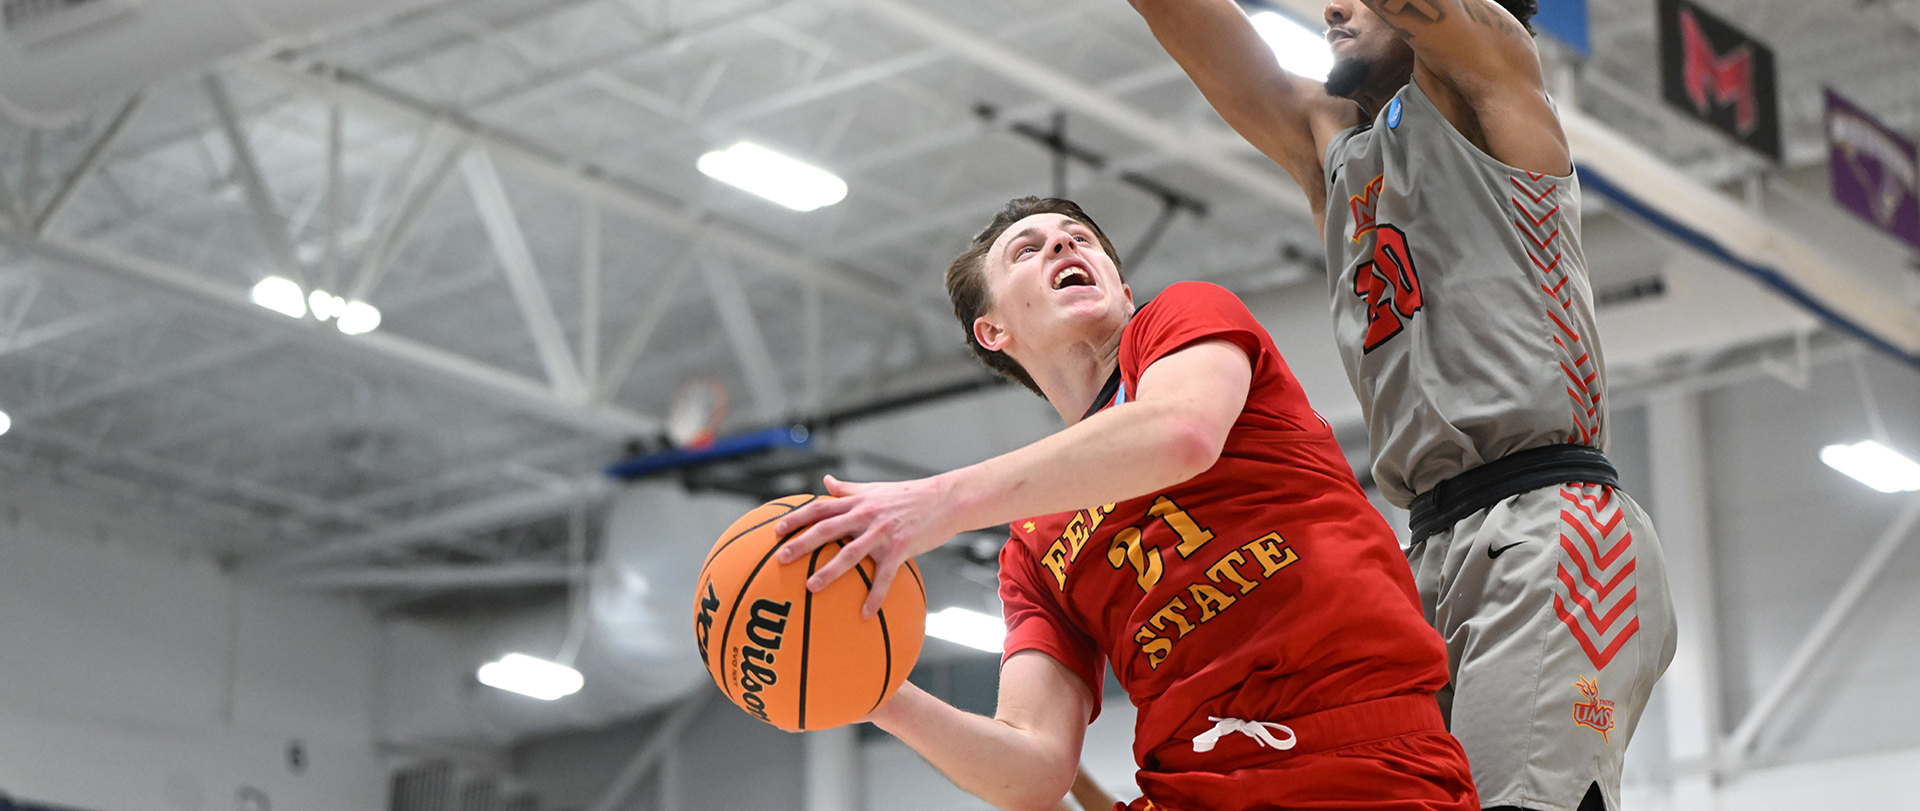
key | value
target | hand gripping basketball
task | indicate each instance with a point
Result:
(889, 522)
(794, 658)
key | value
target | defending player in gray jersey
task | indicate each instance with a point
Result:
(1442, 182)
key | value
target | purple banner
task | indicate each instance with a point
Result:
(1876, 173)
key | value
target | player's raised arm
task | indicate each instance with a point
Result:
(1285, 116)
(1173, 431)
(1479, 65)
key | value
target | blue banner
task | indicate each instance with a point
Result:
(1566, 20)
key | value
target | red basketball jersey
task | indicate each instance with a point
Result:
(1265, 588)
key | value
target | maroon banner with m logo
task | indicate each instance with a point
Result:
(1719, 75)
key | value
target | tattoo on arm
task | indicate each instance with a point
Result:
(1420, 11)
(1428, 12)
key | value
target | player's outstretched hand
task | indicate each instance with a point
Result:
(887, 521)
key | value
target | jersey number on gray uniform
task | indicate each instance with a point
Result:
(1390, 284)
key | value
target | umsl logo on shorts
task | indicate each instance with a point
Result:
(1594, 713)
(765, 630)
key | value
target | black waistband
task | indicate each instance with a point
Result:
(1489, 484)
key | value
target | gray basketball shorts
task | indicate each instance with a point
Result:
(1557, 619)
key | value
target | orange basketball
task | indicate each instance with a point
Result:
(790, 657)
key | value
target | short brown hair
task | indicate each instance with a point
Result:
(967, 278)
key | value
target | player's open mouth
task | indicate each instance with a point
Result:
(1072, 274)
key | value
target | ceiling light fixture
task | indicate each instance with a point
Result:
(280, 295)
(528, 676)
(358, 317)
(791, 183)
(970, 628)
(1300, 49)
(1875, 465)
(6, 422)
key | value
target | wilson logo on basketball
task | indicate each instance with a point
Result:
(703, 624)
(765, 630)
(1595, 713)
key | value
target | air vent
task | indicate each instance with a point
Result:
(36, 21)
(1650, 287)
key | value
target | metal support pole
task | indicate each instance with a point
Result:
(273, 226)
(614, 796)
(381, 250)
(1828, 626)
(634, 343)
(833, 769)
(590, 293)
(89, 163)
(815, 327)
(1676, 459)
(9, 206)
(523, 277)
(336, 144)
(743, 334)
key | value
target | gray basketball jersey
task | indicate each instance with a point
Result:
(1460, 299)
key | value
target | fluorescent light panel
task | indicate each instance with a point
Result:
(528, 676)
(1875, 465)
(791, 183)
(970, 628)
(1300, 49)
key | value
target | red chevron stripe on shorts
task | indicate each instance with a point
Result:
(1592, 595)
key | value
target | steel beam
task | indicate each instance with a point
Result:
(381, 250)
(683, 36)
(336, 146)
(89, 163)
(307, 507)
(563, 172)
(479, 576)
(743, 334)
(273, 226)
(516, 262)
(57, 330)
(590, 295)
(490, 382)
(9, 205)
(1201, 149)
(634, 343)
(147, 377)
(1823, 286)
(839, 83)
(614, 796)
(1744, 736)
(479, 515)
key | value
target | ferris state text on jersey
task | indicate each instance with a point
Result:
(1233, 568)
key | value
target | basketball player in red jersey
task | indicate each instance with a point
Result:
(1195, 525)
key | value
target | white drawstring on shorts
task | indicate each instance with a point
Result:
(1257, 730)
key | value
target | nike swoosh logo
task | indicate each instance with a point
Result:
(1494, 553)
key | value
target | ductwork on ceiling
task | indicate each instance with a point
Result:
(59, 57)
(635, 647)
